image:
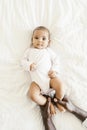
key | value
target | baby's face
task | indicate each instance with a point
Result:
(40, 39)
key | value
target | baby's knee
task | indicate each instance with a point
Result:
(38, 98)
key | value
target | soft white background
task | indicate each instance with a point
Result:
(67, 22)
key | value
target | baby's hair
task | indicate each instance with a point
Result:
(42, 28)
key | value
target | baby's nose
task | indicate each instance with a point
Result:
(40, 39)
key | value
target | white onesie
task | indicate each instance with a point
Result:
(45, 60)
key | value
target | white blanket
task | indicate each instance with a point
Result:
(67, 22)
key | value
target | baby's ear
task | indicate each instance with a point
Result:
(31, 39)
(49, 42)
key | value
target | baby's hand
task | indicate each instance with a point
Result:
(52, 74)
(32, 67)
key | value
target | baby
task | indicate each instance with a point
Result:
(43, 66)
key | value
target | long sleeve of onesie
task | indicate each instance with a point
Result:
(25, 63)
(55, 61)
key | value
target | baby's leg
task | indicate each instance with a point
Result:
(58, 86)
(35, 94)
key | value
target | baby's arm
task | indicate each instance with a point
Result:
(56, 64)
(55, 67)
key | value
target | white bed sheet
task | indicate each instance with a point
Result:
(67, 22)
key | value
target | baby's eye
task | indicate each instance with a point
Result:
(44, 38)
(36, 37)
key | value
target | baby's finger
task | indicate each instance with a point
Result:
(63, 103)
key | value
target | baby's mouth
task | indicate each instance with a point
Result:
(39, 45)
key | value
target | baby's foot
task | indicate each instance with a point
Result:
(60, 107)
